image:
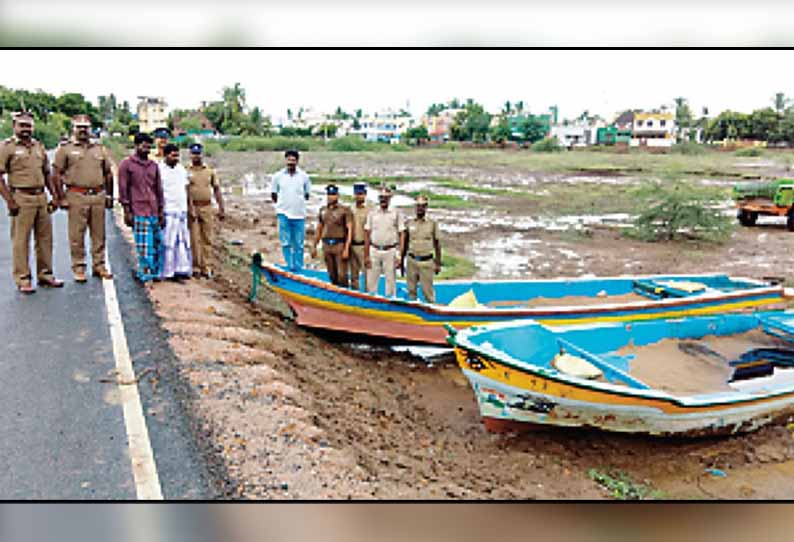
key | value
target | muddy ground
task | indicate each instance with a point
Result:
(296, 416)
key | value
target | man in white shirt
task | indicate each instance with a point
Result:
(384, 241)
(177, 258)
(290, 191)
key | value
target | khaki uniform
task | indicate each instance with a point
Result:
(420, 267)
(85, 167)
(336, 222)
(25, 167)
(384, 232)
(356, 262)
(202, 181)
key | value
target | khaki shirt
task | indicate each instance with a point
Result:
(335, 221)
(359, 221)
(24, 165)
(422, 235)
(384, 227)
(83, 165)
(202, 180)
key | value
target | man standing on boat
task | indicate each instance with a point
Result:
(335, 228)
(356, 260)
(290, 192)
(385, 229)
(424, 252)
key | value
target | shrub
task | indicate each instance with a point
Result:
(211, 148)
(351, 144)
(678, 211)
(549, 144)
(749, 151)
(689, 148)
(117, 147)
(276, 143)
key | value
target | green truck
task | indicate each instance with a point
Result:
(774, 198)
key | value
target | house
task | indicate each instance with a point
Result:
(386, 126)
(205, 125)
(611, 135)
(624, 121)
(152, 113)
(653, 130)
(439, 126)
(571, 135)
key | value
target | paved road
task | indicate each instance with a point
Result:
(62, 431)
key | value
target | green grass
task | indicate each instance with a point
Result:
(455, 267)
(460, 184)
(445, 201)
(620, 486)
(372, 182)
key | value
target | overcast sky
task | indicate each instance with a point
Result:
(603, 82)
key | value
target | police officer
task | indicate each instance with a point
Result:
(357, 260)
(335, 228)
(85, 168)
(24, 160)
(203, 186)
(424, 252)
(385, 232)
(161, 137)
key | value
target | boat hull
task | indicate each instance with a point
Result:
(516, 395)
(322, 306)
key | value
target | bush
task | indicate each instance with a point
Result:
(549, 144)
(688, 148)
(680, 211)
(749, 152)
(211, 148)
(117, 147)
(352, 144)
(276, 143)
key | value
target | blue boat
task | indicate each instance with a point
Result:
(691, 376)
(321, 305)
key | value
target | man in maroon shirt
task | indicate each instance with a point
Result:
(141, 195)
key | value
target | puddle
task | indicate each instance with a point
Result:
(471, 220)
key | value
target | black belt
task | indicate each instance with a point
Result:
(330, 241)
(385, 247)
(357, 243)
(29, 191)
(421, 258)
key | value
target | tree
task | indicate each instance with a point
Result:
(508, 108)
(764, 124)
(500, 132)
(780, 103)
(471, 124)
(417, 133)
(519, 107)
(532, 129)
(683, 117)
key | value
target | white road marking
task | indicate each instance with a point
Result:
(144, 470)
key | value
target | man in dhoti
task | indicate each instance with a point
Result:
(177, 257)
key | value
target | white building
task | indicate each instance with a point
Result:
(152, 113)
(386, 126)
(653, 130)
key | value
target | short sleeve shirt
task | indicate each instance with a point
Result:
(384, 226)
(202, 181)
(291, 191)
(422, 235)
(359, 221)
(174, 187)
(84, 165)
(335, 221)
(24, 164)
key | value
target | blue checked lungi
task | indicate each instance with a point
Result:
(148, 241)
(177, 257)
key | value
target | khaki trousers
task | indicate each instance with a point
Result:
(382, 263)
(87, 212)
(32, 218)
(201, 237)
(421, 273)
(356, 264)
(336, 266)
